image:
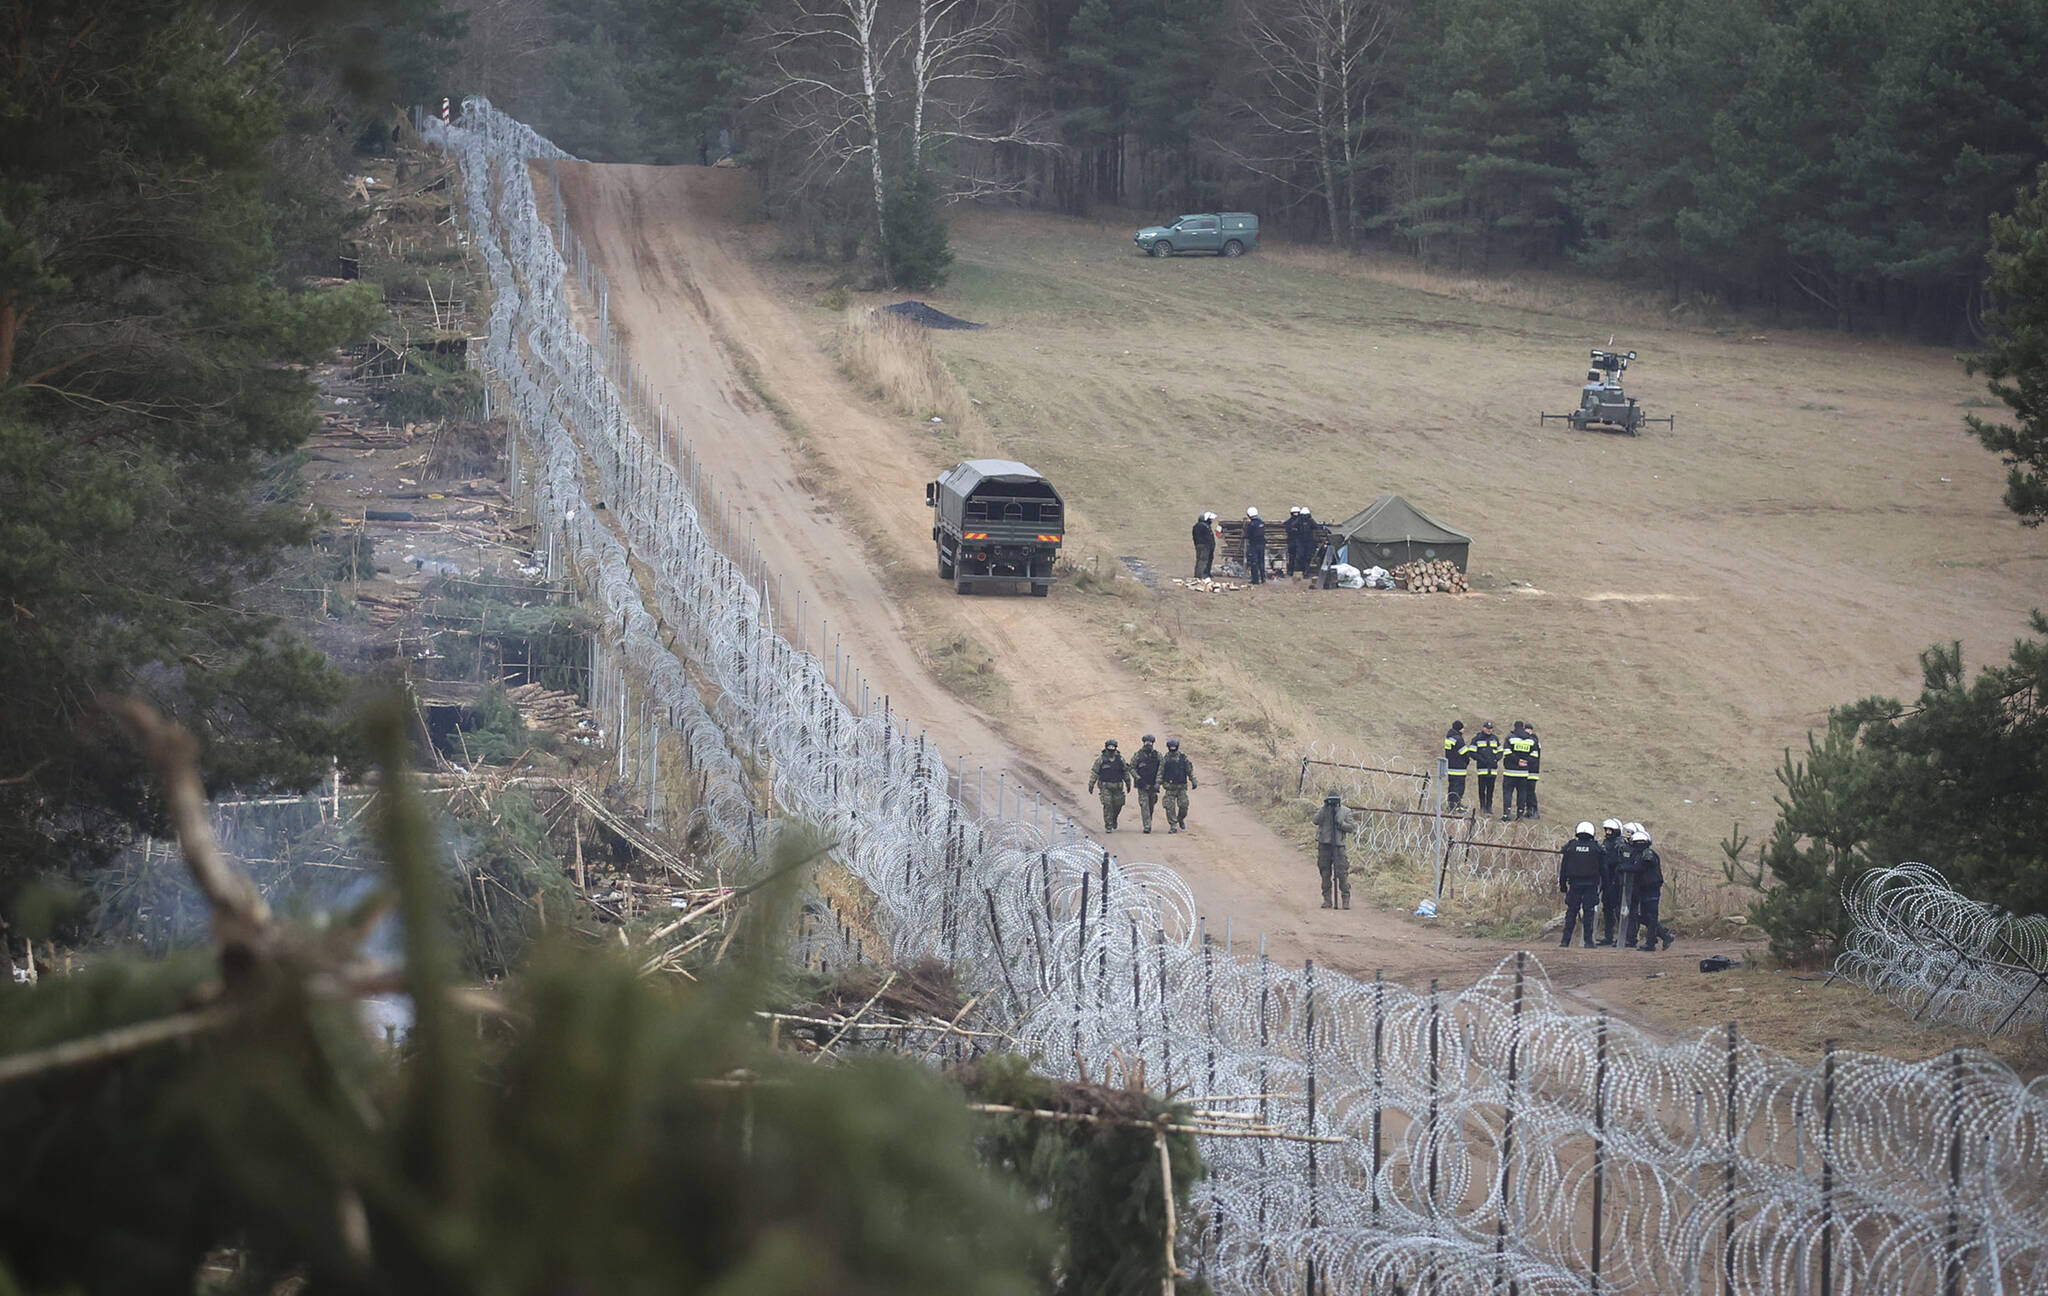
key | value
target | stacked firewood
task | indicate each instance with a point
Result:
(543, 708)
(1430, 576)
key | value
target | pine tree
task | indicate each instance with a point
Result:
(2017, 359)
(918, 255)
(151, 362)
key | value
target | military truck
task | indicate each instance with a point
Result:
(996, 520)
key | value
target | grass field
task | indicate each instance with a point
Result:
(1672, 612)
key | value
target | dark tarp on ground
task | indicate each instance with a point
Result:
(919, 313)
(1393, 532)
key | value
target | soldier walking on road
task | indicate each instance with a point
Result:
(1255, 544)
(1176, 776)
(1145, 775)
(1612, 851)
(1109, 778)
(1334, 824)
(1578, 877)
(1457, 755)
(1205, 543)
(1486, 753)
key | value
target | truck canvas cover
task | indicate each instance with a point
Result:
(965, 477)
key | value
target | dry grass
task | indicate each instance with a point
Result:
(967, 670)
(1672, 611)
(1550, 292)
(895, 362)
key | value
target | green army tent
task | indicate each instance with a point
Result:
(1393, 532)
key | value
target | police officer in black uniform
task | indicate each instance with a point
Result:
(1612, 851)
(1649, 870)
(1578, 877)
(1255, 544)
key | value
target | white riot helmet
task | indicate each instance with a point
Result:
(1585, 828)
(1640, 836)
(1631, 828)
(1614, 824)
(1251, 510)
(1208, 517)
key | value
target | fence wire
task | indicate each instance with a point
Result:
(1916, 938)
(1491, 1140)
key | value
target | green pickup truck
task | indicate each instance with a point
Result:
(1224, 233)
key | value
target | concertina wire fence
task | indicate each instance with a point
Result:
(1914, 937)
(1481, 1140)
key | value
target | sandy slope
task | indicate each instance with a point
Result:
(694, 311)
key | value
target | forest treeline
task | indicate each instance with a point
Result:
(1836, 160)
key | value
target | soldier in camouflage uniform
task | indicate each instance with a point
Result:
(1145, 776)
(1176, 776)
(1109, 777)
(1334, 824)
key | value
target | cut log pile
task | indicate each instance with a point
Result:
(1432, 576)
(1208, 585)
(543, 708)
(388, 609)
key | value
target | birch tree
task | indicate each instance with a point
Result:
(1315, 65)
(897, 88)
(826, 68)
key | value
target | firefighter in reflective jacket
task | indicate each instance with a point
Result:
(1535, 772)
(1514, 766)
(1486, 754)
(1457, 756)
(1516, 774)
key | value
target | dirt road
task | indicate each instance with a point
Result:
(834, 490)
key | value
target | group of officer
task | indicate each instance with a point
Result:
(1622, 876)
(1154, 777)
(1516, 759)
(1300, 531)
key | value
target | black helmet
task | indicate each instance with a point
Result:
(1335, 795)
(1109, 742)
(1148, 738)
(1173, 744)
(1458, 725)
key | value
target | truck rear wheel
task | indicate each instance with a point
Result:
(963, 586)
(1233, 248)
(1040, 591)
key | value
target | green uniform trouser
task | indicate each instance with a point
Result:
(1335, 867)
(1176, 805)
(1112, 803)
(1148, 797)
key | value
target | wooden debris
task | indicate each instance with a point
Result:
(544, 708)
(1208, 585)
(1432, 576)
